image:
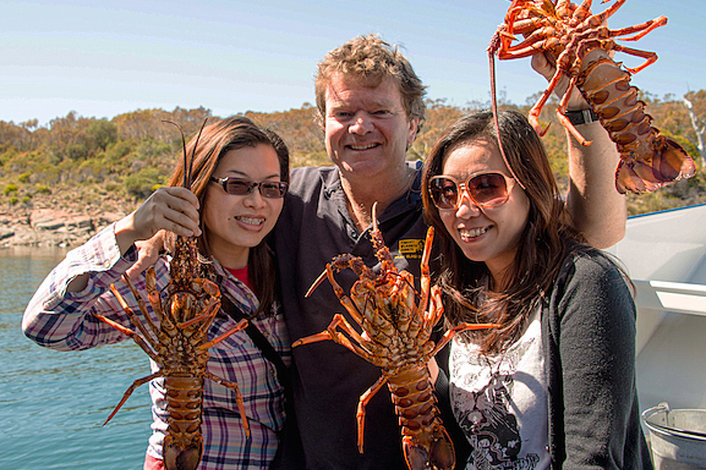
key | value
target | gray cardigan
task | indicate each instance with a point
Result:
(588, 331)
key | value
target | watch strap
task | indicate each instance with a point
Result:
(582, 116)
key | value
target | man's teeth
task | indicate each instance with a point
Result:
(363, 147)
(472, 233)
(251, 220)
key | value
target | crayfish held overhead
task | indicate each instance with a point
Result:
(568, 32)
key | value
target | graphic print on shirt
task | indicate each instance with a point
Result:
(492, 430)
(500, 402)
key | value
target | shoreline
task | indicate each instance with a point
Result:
(52, 227)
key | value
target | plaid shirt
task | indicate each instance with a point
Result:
(62, 320)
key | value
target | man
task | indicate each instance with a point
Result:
(370, 103)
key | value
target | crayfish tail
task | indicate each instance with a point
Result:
(181, 458)
(669, 163)
(443, 455)
(635, 177)
(439, 455)
(416, 456)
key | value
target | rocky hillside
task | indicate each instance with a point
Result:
(49, 222)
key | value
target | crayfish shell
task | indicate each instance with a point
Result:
(648, 159)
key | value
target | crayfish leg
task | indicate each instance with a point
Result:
(129, 391)
(149, 276)
(242, 324)
(435, 308)
(334, 332)
(153, 339)
(448, 336)
(142, 343)
(323, 336)
(362, 403)
(426, 276)
(208, 314)
(238, 398)
(562, 108)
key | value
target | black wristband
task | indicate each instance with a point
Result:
(582, 116)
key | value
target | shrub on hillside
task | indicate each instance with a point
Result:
(139, 185)
(10, 188)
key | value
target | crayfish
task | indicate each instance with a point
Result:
(179, 344)
(568, 32)
(396, 336)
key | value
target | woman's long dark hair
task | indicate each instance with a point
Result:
(216, 140)
(542, 246)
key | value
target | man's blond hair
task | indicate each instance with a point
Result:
(370, 59)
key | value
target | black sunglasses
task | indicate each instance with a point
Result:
(490, 189)
(241, 187)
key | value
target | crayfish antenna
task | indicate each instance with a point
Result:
(193, 154)
(188, 164)
(183, 148)
(492, 50)
(316, 284)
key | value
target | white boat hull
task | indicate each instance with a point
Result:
(665, 255)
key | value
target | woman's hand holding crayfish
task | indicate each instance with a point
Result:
(168, 208)
(591, 169)
(544, 64)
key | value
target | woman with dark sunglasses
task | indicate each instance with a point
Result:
(554, 385)
(239, 178)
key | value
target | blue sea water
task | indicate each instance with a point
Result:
(52, 403)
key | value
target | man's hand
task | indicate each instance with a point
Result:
(147, 254)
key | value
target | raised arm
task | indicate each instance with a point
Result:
(596, 208)
(168, 208)
(57, 316)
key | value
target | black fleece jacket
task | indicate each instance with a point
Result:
(588, 331)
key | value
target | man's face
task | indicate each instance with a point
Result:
(367, 128)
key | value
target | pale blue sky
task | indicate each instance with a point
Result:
(103, 58)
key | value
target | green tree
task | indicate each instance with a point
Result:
(103, 133)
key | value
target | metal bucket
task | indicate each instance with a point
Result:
(677, 437)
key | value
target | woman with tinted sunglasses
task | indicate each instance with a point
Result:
(554, 385)
(240, 175)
